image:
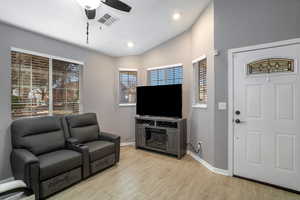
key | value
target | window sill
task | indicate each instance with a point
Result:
(127, 105)
(200, 106)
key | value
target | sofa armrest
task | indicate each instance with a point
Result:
(25, 166)
(109, 137)
(73, 144)
(112, 138)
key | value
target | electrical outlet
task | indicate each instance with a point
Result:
(198, 146)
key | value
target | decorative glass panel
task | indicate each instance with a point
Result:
(271, 65)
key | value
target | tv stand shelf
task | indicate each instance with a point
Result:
(162, 134)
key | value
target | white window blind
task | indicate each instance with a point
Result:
(31, 91)
(29, 85)
(202, 90)
(127, 87)
(166, 76)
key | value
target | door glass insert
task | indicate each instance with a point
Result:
(271, 65)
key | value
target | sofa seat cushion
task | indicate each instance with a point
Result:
(58, 162)
(99, 149)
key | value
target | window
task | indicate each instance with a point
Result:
(200, 68)
(65, 87)
(127, 86)
(32, 94)
(166, 76)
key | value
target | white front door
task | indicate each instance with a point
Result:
(267, 115)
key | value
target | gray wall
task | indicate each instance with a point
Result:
(127, 114)
(99, 79)
(240, 23)
(202, 120)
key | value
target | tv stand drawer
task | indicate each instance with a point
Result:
(166, 124)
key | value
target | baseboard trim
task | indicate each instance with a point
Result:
(7, 180)
(207, 165)
(123, 144)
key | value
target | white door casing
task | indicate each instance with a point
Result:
(265, 146)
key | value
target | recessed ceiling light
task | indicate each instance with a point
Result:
(130, 44)
(176, 16)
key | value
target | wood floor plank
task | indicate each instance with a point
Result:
(143, 175)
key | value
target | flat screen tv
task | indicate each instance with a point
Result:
(163, 101)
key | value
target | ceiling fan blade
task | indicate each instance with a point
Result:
(116, 4)
(91, 14)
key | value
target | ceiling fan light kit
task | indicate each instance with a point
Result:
(89, 4)
(90, 7)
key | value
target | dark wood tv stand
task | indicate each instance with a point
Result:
(166, 135)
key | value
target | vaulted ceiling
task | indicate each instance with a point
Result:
(149, 24)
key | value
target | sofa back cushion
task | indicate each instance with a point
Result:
(83, 127)
(38, 135)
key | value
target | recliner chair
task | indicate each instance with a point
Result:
(41, 158)
(103, 148)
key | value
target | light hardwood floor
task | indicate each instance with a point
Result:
(143, 175)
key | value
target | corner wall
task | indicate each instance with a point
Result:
(202, 120)
(192, 44)
(126, 114)
(221, 26)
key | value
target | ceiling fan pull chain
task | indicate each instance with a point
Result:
(87, 32)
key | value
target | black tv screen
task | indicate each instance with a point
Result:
(164, 101)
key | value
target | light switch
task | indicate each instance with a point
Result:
(222, 106)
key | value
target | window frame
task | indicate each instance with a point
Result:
(164, 67)
(196, 101)
(120, 104)
(51, 58)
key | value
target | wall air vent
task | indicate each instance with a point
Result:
(107, 19)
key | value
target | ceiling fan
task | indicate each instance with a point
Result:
(90, 7)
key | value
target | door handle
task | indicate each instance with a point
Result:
(237, 112)
(238, 121)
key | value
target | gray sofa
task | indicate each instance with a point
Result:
(52, 153)
(103, 148)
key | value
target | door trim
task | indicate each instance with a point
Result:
(231, 54)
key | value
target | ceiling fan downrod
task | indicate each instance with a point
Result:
(87, 32)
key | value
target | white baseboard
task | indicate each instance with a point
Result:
(123, 144)
(7, 180)
(207, 165)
